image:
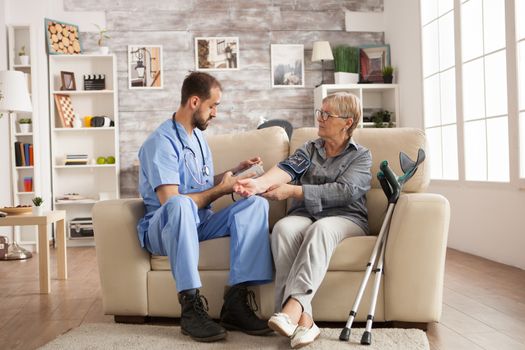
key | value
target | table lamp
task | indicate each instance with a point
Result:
(322, 52)
(14, 97)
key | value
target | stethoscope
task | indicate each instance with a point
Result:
(205, 169)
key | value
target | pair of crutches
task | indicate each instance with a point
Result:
(392, 186)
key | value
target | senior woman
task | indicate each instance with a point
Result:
(327, 179)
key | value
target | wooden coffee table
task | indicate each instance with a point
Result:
(42, 221)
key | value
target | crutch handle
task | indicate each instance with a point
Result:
(392, 181)
(384, 184)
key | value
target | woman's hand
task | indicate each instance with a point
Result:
(282, 191)
(248, 187)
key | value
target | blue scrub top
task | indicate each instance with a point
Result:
(165, 160)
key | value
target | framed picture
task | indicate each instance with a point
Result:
(62, 38)
(68, 81)
(65, 110)
(287, 65)
(372, 60)
(217, 53)
(145, 67)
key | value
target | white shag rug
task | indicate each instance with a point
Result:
(133, 337)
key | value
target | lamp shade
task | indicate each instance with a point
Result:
(322, 51)
(14, 96)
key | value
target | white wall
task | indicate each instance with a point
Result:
(402, 32)
(486, 220)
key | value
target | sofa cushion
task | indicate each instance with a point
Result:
(271, 144)
(385, 144)
(351, 255)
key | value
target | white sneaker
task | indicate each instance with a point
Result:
(304, 336)
(282, 324)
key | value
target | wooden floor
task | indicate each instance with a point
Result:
(484, 303)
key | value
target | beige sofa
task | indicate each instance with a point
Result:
(134, 283)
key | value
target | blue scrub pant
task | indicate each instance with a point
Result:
(178, 226)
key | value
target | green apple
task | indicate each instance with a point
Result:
(111, 160)
(101, 160)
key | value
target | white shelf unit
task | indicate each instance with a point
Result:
(18, 36)
(90, 181)
(372, 96)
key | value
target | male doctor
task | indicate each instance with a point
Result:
(177, 184)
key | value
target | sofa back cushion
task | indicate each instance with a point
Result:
(271, 144)
(384, 144)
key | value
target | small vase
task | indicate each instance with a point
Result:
(24, 128)
(38, 211)
(103, 50)
(346, 78)
(24, 60)
(387, 79)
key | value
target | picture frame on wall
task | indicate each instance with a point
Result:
(287, 65)
(62, 38)
(145, 67)
(216, 53)
(68, 81)
(372, 60)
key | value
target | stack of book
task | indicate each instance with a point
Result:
(76, 159)
(23, 154)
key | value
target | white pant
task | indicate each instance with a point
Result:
(301, 252)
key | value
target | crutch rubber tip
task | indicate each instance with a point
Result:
(345, 334)
(366, 339)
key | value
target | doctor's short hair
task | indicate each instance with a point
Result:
(345, 105)
(198, 84)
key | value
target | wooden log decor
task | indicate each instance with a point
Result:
(62, 38)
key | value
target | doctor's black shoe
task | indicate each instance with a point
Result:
(238, 312)
(195, 321)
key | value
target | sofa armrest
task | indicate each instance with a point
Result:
(415, 258)
(123, 265)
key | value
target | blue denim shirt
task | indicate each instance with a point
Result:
(334, 186)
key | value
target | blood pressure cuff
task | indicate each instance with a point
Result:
(296, 165)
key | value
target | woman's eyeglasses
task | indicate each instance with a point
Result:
(324, 115)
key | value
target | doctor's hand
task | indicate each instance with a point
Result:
(245, 164)
(227, 182)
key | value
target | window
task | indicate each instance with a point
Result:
(485, 113)
(482, 63)
(439, 81)
(520, 36)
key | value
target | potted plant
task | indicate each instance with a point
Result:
(24, 125)
(388, 74)
(102, 35)
(382, 119)
(24, 58)
(346, 60)
(37, 205)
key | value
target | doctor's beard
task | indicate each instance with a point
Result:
(199, 121)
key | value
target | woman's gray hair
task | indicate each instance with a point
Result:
(346, 105)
